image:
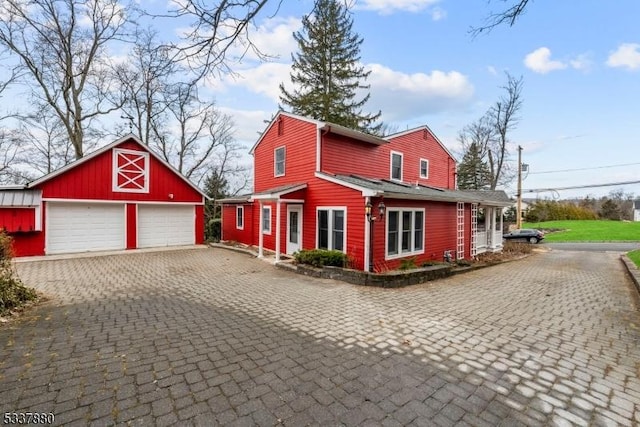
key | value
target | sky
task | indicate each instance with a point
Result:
(580, 66)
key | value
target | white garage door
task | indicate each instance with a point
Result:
(166, 225)
(80, 227)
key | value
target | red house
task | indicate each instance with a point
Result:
(380, 200)
(122, 196)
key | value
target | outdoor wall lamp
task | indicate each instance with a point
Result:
(381, 209)
(368, 207)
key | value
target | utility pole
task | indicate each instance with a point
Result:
(519, 195)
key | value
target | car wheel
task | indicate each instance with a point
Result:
(533, 240)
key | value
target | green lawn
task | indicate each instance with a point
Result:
(635, 257)
(594, 231)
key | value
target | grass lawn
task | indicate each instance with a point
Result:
(594, 231)
(635, 257)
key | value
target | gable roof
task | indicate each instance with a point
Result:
(428, 129)
(322, 125)
(105, 149)
(277, 192)
(397, 190)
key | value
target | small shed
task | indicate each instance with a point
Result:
(636, 210)
(122, 196)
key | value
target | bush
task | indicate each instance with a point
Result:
(321, 258)
(213, 230)
(13, 293)
(407, 264)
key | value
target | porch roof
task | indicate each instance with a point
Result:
(278, 192)
(400, 190)
(14, 197)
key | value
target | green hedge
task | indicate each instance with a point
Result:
(321, 258)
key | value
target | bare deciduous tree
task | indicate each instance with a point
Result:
(217, 29)
(489, 135)
(507, 16)
(503, 117)
(61, 46)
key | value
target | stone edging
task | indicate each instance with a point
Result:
(634, 273)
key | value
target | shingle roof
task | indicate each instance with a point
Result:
(401, 190)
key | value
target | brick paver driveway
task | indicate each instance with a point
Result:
(210, 337)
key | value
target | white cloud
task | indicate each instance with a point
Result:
(581, 62)
(264, 79)
(492, 70)
(386, 7)
(540, 61)
(247, 124)
(626, 56)
(438, 13)
(402, 96)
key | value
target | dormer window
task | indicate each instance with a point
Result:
(279, 158)
(424, 168)
(396, 166)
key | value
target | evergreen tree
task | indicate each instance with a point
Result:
(474, 172)
(215, 187)
(327, 72)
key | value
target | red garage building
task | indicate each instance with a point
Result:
(122, 196)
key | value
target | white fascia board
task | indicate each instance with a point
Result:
(366, 192)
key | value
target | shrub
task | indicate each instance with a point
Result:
(213, 230)
(12, 292)
(321, 258)
(408, 264)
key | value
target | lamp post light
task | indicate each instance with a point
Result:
(371, 219)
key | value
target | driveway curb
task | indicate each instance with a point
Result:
(634, 273)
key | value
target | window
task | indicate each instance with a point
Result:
(331, 228)
(424, 168)
(396, 166)
(130, 171)
(266, 219)
(279, 156)
(405, 232)
(240, 217)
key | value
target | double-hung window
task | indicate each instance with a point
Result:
(424, 168)
(396, 166)
(279, 160)
(266, 219)
(240, 217)
(405, 232)
(331, 228)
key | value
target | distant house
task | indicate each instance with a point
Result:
(380, 200)
(636, 210)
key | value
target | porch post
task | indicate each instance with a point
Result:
(367, 240)
(278, 203)
(260, 237)
(501, 210)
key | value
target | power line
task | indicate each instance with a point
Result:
(577, 187)
(585, 169)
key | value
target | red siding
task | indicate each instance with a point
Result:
(229, 230)
(299, 139)
(199, 229)
(422, 144)
(17, 219)
(440, 233)
(132, 226)
(93, 180)
(346, 156)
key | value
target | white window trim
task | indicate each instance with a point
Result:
(240, 210)
(144, 173)
(330, 226)
(401, 254)
(264, 231)
(391, 165)
(275, 161)
(420, 169)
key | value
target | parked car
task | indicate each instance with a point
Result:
(525, 235)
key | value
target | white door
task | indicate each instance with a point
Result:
(166, 225)
(81, 227)
(294, 229)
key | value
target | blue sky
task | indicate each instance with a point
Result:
(580, 64)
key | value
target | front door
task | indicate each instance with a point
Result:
(294, 229)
